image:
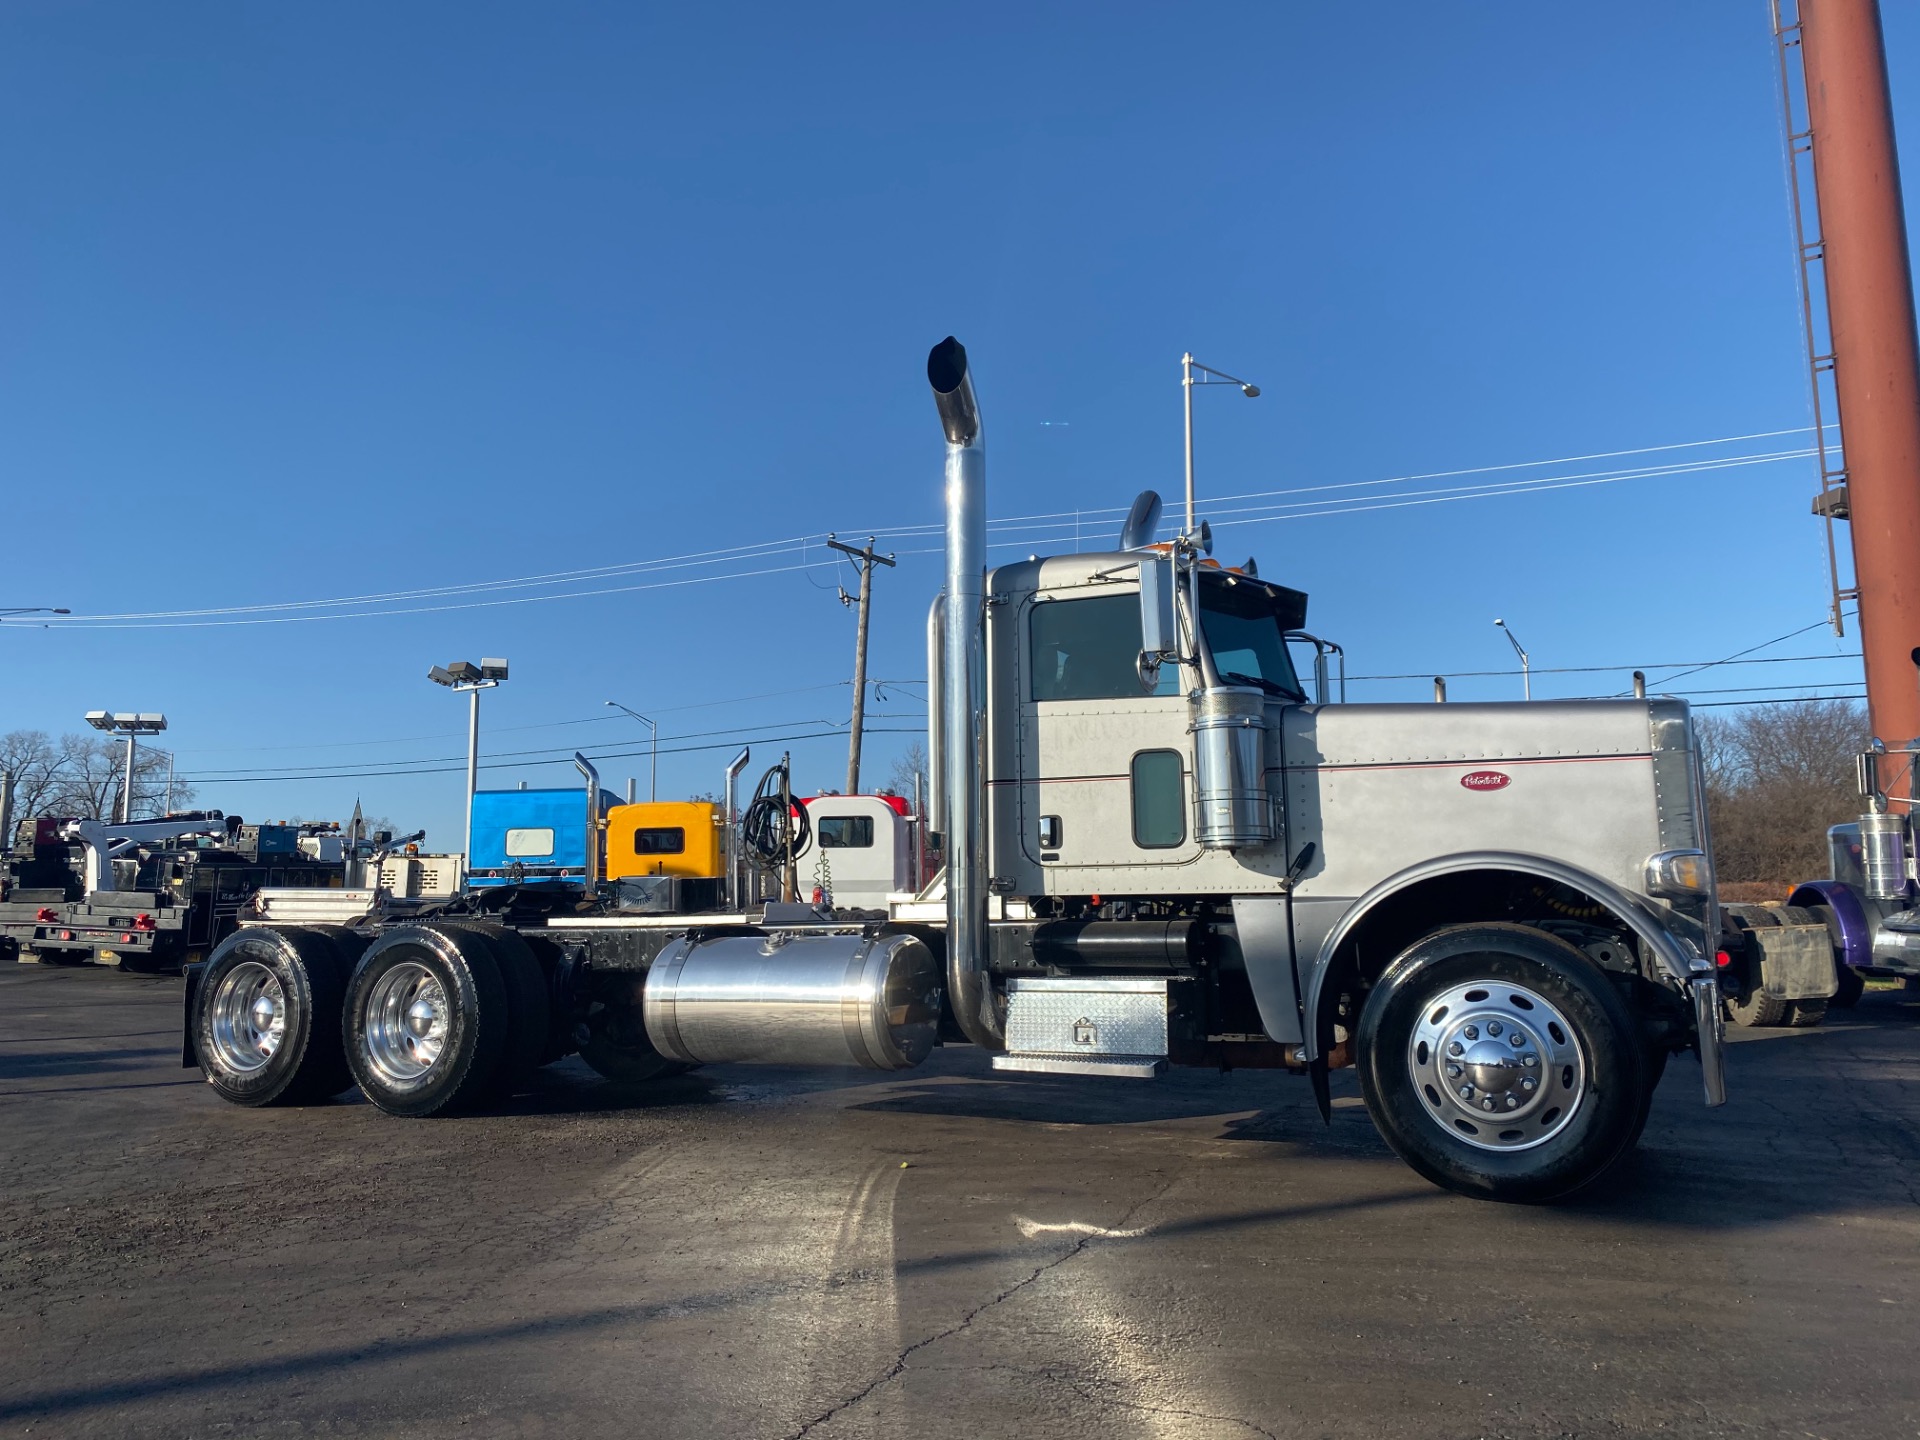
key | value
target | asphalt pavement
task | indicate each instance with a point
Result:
(752, 1252)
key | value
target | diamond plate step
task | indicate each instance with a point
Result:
(1086, 1027)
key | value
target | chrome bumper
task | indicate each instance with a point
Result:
(1712, 1032)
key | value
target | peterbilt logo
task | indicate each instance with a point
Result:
(1486, 780)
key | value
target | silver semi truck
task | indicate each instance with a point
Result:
(1161, 850)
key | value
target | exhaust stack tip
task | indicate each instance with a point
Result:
(953, 391)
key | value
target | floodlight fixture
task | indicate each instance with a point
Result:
(493, 668)
(464, 672)
(440, 675)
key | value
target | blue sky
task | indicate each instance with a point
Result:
(315, 302)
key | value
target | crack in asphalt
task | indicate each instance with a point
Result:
(899, 1365)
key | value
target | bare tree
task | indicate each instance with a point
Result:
(33, 760)
(1777, 776)
(909, 768)
(87, 775)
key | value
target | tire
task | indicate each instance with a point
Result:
(529, 1013)
(1852, 986)
(617, 1045)
(1756, 1009)
(1804, 1014)
(1760, 1009)
(1520, 1004)
(427, 1021)
(266, 1020)
(1653, 1067)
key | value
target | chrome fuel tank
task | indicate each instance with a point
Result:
(786, 999)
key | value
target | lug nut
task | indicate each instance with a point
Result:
(1513, 1101)
(1487, 1104)
(1466, 1092)
(1453, 1071)
(1493, 1027)
(1529, 1061)
(1456, 1048)
(1529, 1083)
(1472, 1032)
(1518, 1039)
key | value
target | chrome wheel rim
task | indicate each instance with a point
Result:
(1497, 1065)
(407, 1020)
(248, 1017)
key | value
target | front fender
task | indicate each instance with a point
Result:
(1687, 970)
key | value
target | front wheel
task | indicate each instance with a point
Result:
(1499, 1063)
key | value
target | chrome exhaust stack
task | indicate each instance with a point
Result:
(585, 767)
(962, 697)
(734, 887)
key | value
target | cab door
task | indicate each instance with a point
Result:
(1104, 774)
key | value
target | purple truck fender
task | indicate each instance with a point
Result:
(1856, 932)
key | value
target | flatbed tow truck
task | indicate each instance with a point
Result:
(1160, 851)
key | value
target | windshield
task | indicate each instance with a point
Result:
(1245, 634)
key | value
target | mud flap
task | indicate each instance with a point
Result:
(1710, 1031)
(189, 1060)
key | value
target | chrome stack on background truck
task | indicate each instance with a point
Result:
(1161, 850)
(1786, 964)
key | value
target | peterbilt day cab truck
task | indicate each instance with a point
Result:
(1160, 851)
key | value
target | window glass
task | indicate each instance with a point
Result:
(665, 840)
(1159, 805)
(844, 832)
(1087, 649)
(1246, 638)
(530, 844)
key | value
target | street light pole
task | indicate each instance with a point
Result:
(653, 759)
(129, 724)
(1188, 367)
(1526, 666)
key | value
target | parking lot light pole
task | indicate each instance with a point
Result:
(1207, 376)
(465, 676)
(653, 760)
(1526, 665)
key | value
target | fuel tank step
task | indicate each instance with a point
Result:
(1086, 1027)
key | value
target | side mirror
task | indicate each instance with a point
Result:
(1159, 632)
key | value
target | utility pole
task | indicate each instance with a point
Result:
(867, 561)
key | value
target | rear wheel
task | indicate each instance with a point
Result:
(1757, 1008)
(427, 1021)
(617, 1045)
(266, 1021)
(1498, 1062)
(528, 1009)
(1807, 1013)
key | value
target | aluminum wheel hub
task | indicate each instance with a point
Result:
(407, 1020)
(247, 1017)
(1498, 1066)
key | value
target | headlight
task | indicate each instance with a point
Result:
(1679, 874)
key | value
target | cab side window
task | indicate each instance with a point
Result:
(1159, 800)
(1086, 650)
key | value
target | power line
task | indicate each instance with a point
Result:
(536, 764)
(559, 752)
(1611, 669)
(1027, 530)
